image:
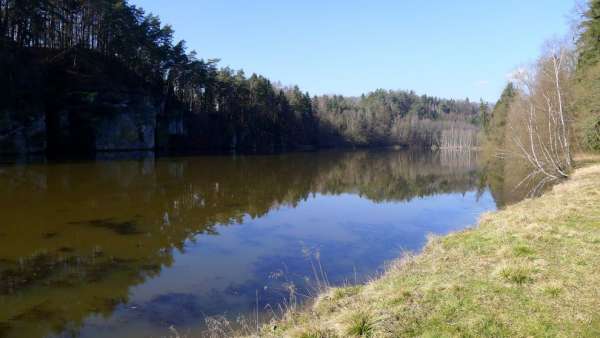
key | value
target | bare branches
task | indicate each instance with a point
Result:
(540, 125)
(459, 136)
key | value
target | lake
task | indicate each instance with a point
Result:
(132, 247)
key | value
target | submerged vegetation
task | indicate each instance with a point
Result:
(70, 259)
(517, 274)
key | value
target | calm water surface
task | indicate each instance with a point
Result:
(131, 247)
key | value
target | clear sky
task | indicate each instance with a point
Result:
(447, 48)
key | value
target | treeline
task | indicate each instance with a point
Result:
(397, 117)
(52, 52)
(551, 109)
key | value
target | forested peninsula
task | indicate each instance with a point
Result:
(80, 77)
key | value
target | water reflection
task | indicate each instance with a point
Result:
(510, 179)
(110, 248)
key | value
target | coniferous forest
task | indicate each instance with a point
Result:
(81, 76)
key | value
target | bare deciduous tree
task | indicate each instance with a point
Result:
(459, 136)
(539, 123)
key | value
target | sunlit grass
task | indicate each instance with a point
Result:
(318, 333)
(528, 270)
(517, 274)
(339, 293)
(361, 325)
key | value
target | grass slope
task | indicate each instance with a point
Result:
(531, 270)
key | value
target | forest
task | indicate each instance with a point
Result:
(82, 76)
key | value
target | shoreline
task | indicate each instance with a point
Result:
(518, 272)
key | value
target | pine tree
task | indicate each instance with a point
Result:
(586, 105)
(496, 131)
(589, 40)
(484, 118)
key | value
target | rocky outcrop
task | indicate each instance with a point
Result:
(170, 129)
(130, 125)
(130, 130)
(74, 103)
(89, 122)
(22, 134)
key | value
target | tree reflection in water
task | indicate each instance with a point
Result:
(87, 242)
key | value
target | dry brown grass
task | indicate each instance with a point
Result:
(585, 159)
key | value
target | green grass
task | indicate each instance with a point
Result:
(523, 251)
(360, 325)
(530, 270)
(518, 275)
(339, 293)
(318, 334)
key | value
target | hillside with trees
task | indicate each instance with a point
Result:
(398, 117)
(102, 75)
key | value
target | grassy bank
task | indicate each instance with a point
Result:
(530, 270)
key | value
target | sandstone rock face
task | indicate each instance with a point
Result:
(22, 135)
(76, 103)
(130, 126)
(170, 129)
(91, 122)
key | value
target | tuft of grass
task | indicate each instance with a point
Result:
(339, 293)
(318, 333)
(553, 291)
(361, 325)
(523, 251)
(517, 274)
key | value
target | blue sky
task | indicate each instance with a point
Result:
(445, 48)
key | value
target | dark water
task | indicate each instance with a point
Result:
(131, 247)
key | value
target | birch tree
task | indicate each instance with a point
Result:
(540, 125)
